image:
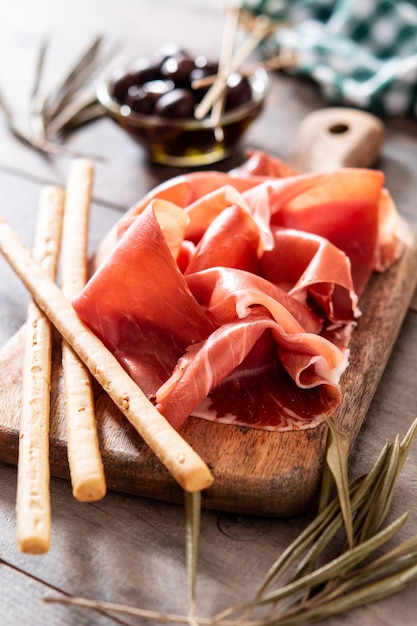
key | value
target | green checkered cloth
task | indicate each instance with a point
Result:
(362, 53)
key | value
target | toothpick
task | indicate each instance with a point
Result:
(260, 29)
(286, 58)
(226, 53)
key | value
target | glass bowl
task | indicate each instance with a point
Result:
(187, 142)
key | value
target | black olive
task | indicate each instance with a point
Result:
(202, 71)
(178, 103)
(178, 69)
(137, 99)
(120, 81)
(142, 70)
(162, 85)
(157, 88)
(142, 98)
(238, 91)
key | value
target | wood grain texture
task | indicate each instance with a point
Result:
(256, 472)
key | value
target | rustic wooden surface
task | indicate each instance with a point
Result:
(126, 548)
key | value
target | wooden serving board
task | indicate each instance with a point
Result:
(255, 472)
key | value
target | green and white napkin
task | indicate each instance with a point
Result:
(361, 53)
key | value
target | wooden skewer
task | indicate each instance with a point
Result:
(185, 465)
(286, 58)
(260, 29)
(84, 459)
(33, 510)
(226, 53)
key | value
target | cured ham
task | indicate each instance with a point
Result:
(233, 296)
(139, 304)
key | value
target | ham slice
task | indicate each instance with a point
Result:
(227, 293)
(233, 296)
(310, 361)
(140, 306)
(260, 163)
(218, 248)
(343, 208)
(311, 268)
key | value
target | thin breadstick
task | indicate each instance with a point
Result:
(33, 510)
(84, 459)
(184, 464)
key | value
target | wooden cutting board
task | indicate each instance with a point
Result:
(255, 472)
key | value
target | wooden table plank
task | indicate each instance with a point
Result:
(22, 600)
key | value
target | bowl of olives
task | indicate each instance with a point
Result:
(154, 101)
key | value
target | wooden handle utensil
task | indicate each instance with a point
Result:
(334, 138)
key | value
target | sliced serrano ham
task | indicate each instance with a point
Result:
(344, 209)
(231, 240)
(310, 361)
(233, 296)
(228, 293)
(311, 268)
(260, 163)
(140, 305)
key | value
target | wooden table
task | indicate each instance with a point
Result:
(129, 549)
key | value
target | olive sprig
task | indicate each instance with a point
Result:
(305, 585)
(69, 105)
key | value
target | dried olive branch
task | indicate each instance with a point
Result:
(69, 105)
(334, 568)
(315, 591)
(366, 495)
(75, 94)
(323, 529)
(82, 108)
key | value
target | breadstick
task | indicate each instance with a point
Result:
(84, 459)
(185, 465)
(33, 510)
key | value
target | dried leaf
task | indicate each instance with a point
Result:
(337, 459)
(192, 543)
(298, 547)
(77, 76)
(383, 493)
(36, 101)
(365, 595)
(80, 75)
(326, 487)
(389, 564)
(84, 108)
(338, 566)
(407, 442)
